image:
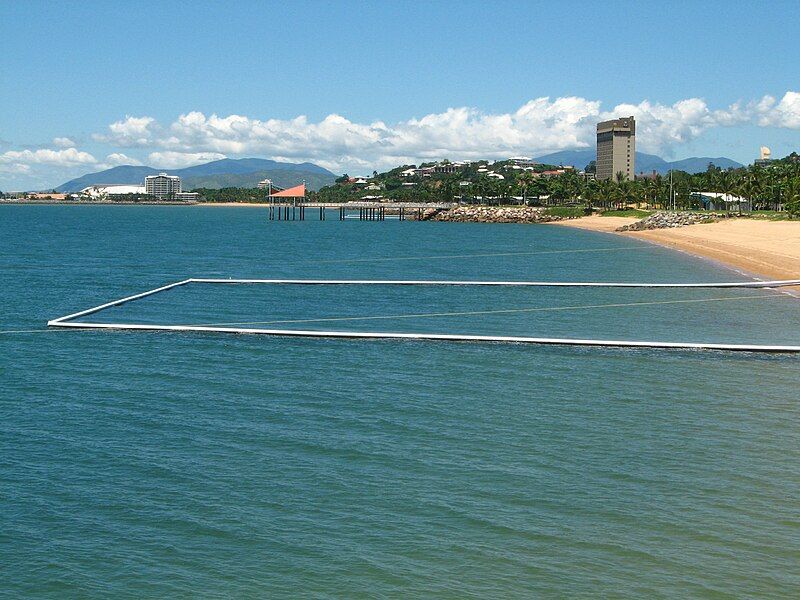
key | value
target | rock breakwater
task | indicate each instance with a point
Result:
(489, 214)
(669, 220)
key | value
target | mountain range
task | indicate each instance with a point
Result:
(228, 172)
(645, 163)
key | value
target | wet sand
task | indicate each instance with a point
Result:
(770, 249)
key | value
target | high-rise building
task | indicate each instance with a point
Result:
(616, 148)
(162, 186)
(766, 157)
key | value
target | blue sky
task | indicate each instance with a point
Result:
(404, 80)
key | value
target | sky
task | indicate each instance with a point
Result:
(358, 86)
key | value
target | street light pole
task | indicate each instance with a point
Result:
(671, 193)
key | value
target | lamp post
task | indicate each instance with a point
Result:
(671, 192)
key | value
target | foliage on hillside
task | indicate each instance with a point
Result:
(232, 194)
(280, 177)
(767, 187)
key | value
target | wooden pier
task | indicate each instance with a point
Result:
(363, 211)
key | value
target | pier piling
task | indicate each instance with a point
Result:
(367, 211)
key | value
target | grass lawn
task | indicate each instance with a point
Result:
(568, 212)
(770, 215)
(630, 212)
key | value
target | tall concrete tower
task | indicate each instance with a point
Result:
(616, 148)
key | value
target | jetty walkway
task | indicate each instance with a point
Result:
(366, 211)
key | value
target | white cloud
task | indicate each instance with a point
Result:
(785, 113)
(178, 160)
(14, 168)
(116, 159)
(71, 157)
(21, 164)
(130, 132)
(63, 142)
(661, 127)
(539, 126)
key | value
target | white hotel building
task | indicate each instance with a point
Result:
(162, 186)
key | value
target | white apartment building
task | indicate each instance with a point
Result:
(162, 186)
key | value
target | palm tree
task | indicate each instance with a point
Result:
(605, 191)
(447, 190)
(591, 192)
(653, 191)
(539, 187)
(792, 197)
(556, 189)
(480, 189)
(494, 189)
(524, 181)
(726, 186)
(630, 192)
(748, 187)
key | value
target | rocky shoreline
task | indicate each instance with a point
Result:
(529, 214)
(670, 220)
(489, 214)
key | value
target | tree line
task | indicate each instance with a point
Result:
(772, 187)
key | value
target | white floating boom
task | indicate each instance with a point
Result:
(68, 321)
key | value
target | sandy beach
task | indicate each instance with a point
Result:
(769, 249)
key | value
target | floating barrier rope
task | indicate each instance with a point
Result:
(68, 321)
(739, 284)
(499, 311)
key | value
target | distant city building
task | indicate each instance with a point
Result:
(162, 186)
(440, 168)
(107, 191)
(616, 148)
(765, 158)
(187, 196)
(46, 196)
(522, 161)
(722, 201)
(446, 168)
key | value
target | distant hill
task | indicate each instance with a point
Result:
(699, 164)
(645, 163)
(228, 172)
(280, 177)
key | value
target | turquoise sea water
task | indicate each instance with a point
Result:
(156, 464)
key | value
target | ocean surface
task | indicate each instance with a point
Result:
(145, 464)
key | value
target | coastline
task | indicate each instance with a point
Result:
(767, 249)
